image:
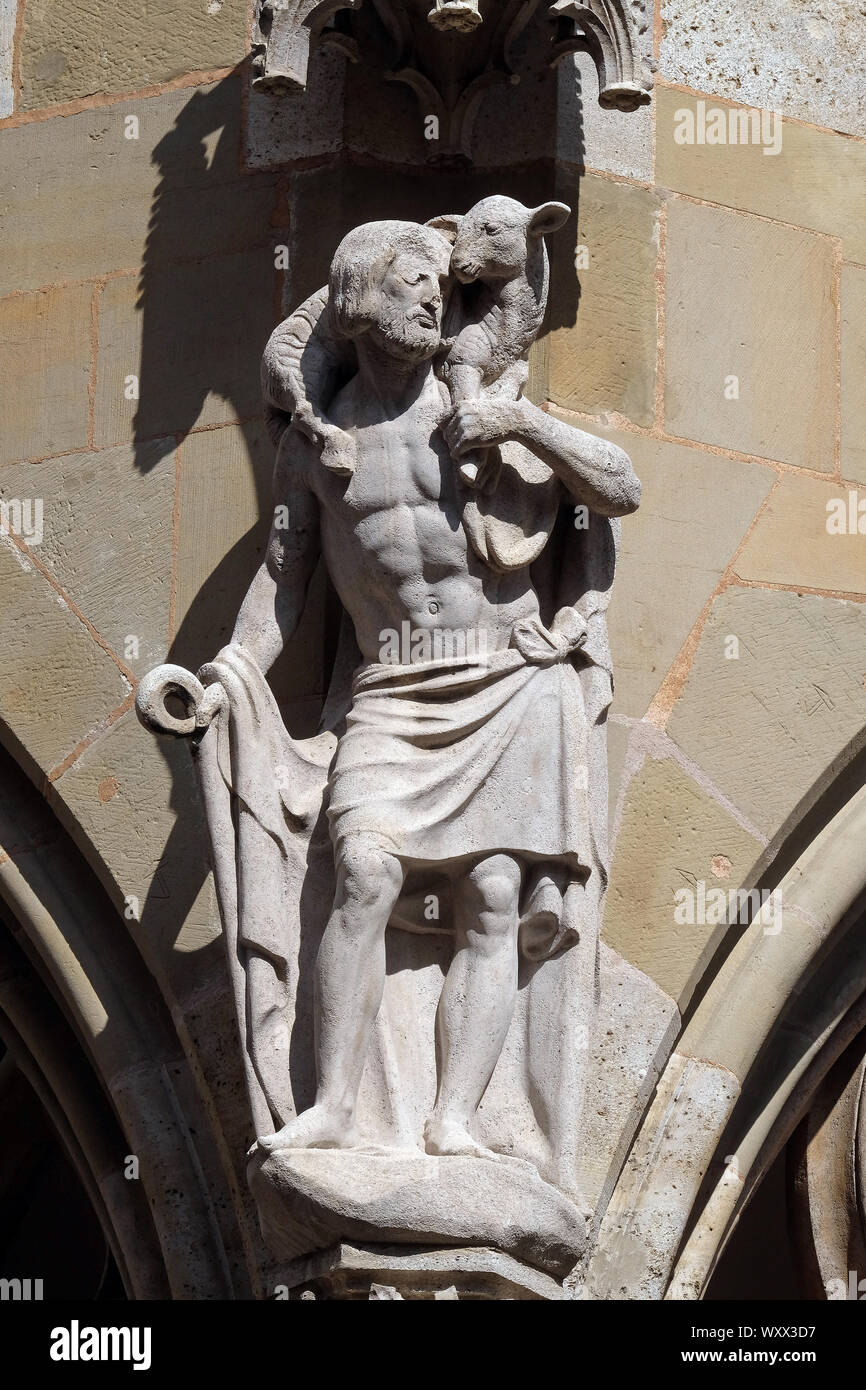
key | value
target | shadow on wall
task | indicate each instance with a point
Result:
(209, 297)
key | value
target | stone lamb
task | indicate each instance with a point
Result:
(500, 256)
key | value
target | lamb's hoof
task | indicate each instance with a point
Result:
(339, 459)
(342, 467)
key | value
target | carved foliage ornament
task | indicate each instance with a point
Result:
(451, 51)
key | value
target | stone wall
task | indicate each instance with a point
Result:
(715, 327)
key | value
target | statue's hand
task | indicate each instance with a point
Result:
(483, 421)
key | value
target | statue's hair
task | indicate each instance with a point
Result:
(361, 262)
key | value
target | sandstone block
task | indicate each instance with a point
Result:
(606, 359)
(105, 525)
(192, 340)
(777, 54)
(45, 366)
(73, 49)
(695, 510)
(8, 16)
(794, 541)
(765, 725)
(49, 705)
(815, 181)
(854, 373)
(172, 193)
(750, 336)
(673, 831)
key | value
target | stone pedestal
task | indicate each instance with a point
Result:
(308, 1199)
(373, 1273)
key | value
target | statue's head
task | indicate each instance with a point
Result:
(389, 280)
(495, 238)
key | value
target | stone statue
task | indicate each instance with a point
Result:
(411, 898)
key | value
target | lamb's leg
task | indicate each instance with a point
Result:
(336, 447)
(510, 385)
(465, 385)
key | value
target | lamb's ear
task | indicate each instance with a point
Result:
(548, 218)
(447, 224)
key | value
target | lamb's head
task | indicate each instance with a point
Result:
(496, 238)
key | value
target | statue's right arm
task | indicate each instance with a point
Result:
(272, 609)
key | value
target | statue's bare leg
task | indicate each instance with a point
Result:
(350, 978)
(477, 1001)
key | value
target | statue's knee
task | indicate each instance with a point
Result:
(494, 893)
(369, 876)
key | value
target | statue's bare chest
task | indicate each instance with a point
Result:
(400, 463)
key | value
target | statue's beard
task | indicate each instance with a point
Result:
(404, 337)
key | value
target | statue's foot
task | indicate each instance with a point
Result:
(318, 1128)
(449, 1137)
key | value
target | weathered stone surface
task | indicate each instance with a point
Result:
(816, 181)
(307, 1197)
(349, 1272)
(854, 373)
(222, 524)
(645, 1221)
(694, 511)
(619, 142)
(515, 123)
(617, 750)
(45, 367)
(192, 339)
(106, 525)
(750, 300)
(69, 49)
(671, 832)
(224, 501)
(637, 1022)
(607, 359)
(8, 16)
(780, 54)
(791, 543)
(287, 125)
(134, 803)
(49, 706)
(181, 172)
(766, 725)
(384, 122)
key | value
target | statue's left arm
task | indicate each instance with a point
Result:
(592, 470)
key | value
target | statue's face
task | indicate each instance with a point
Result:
(408, 321)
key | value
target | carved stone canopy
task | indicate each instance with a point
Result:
(450, 51)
